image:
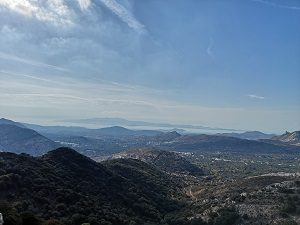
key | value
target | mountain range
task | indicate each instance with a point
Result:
(36, 140)
(203, 142)
(250, 135)
(133, 123)
(115, 131)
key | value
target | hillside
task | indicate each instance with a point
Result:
(249, 135)
(74, 189)
(167, 136)
(226, 144)
(66, 186)
(22, 140)
(172, 141)
(170, 162)
(292, 138)
(4, 121)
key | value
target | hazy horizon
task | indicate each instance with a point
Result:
(107, 122)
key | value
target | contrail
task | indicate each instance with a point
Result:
(30, 62)
(277, 5)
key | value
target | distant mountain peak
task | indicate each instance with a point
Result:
(10, 122)
(23, 140)
(175, 133)
(115, 128)
(289, 137)
(169, 135)
(250, 135)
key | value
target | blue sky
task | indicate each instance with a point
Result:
(232, 64)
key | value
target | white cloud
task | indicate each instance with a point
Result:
(253, 96)
(54, 11)
(84, 4)
(98, 44)
(273, 4)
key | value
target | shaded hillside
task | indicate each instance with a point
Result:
(168, 136)
(170, 162)
(68, 186)
(226, 144)
(292, 138)
(22, 140)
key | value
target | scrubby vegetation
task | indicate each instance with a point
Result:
(67, 186)
(64, 187)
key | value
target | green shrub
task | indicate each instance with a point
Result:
(53, 222)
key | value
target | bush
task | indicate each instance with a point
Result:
(53, 222)
(289, 222)
(10, 215)
(29, 219)
(227, 216)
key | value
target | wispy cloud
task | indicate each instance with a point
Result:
(253, 96)
(125, 15)
(30, 62)
(26, 76)
(273, 4)
(48, 96)
(21, 88)
(209, 50)
(84, 4)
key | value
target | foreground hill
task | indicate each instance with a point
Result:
(68, 186)
(18, 139)
(170, 162)
(292, 138)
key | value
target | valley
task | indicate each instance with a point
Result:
(116, 176)
(149, 112)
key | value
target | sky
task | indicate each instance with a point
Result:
(231, 64)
